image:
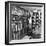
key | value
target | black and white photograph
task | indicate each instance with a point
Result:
(24, 22)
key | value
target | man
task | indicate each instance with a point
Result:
(29, 24)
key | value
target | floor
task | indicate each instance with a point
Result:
(26, 37)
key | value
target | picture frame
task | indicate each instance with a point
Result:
(11, 8)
